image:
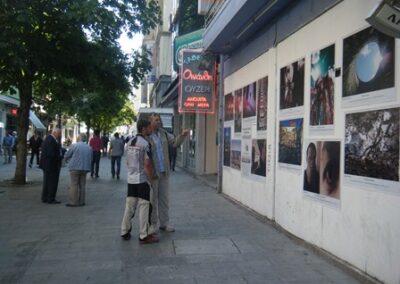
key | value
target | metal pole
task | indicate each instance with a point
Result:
(220, 123)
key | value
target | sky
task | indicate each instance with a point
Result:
(128, 44)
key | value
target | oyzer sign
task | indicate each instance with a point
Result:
(197, 82)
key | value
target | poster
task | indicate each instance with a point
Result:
(368, 67)
(292, 85)
(229, 107)
(259, 157)
(249, 100)
(196, 88)
(290, 141)
(246, 149)
(238, 110)
(321, 175)
(262, 104)
(322, 90)
(372, 148)
(227, 146)
(236, 147)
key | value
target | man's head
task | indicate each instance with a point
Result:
(97, 132)
(116, 135)
(56, 133)
(155, 121)
(144, 127)
(82, 137)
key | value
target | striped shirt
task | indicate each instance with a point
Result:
(137, 153)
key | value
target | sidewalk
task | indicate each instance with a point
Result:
(215, 241)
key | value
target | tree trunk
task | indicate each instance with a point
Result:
(25, 96)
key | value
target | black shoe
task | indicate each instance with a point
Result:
(127, 236)
(54, 202)
(30, 165)
(97, 176)
(117, 176)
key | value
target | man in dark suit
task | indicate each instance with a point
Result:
(50, 163)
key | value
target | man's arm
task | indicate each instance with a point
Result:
(178, 140)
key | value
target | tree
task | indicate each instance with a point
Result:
(72, 40)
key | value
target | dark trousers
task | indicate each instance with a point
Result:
(50, 184)
(95, 162)
(113, 160)
(33, 154)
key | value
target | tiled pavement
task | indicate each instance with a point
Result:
(216, 241)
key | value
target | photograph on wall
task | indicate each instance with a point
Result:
(238, 110)
(249, 100)
(229, 107)
(321, 175)
(372, 147)
(236, 148)
(368, 67)
(246, 149)
(259, 157)
(322, 89)
(262, 104)
(290, 141)
(227, 146)
(292, 79)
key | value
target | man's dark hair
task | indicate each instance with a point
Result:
(97, 132)
(142, 123)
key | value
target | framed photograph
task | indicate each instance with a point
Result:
(229, 107)
(249, 100)
(368, 67)
(259, 157)
(262, 104)
(321, 174)
(290, 141)
(227, 146)
(292, 79)
(372, 148)
(238, 110)
(236, 147)
(322, 91)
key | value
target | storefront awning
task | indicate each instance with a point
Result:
(36, 121)
(9, 100)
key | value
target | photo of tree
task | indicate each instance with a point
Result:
(229, 107)
(322, 90)
(236, 146)
(227, 146)
(322, 172)
(290, 141)
(238, 110)
(249, 100)
(259, 157)
(372, 144)
(262, 103)
(368, 62)
(292, 85)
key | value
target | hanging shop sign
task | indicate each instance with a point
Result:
(197, 73)
(386, 19)
(193, 40)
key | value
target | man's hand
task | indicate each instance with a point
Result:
(185, 131)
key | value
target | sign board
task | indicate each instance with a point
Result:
(191, 40)
(197, 74)
(386, 19)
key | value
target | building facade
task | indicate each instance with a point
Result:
(311, 123)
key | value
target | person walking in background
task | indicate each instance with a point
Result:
(8, 144)
(35, 143)
(140, 175)
(96, 145)
(160, 141)
(115, 153)
(50, 163)
(104, 142)
(79, 159)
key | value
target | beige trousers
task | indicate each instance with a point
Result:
(130, 208)
(77, 188)
(160, 203)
